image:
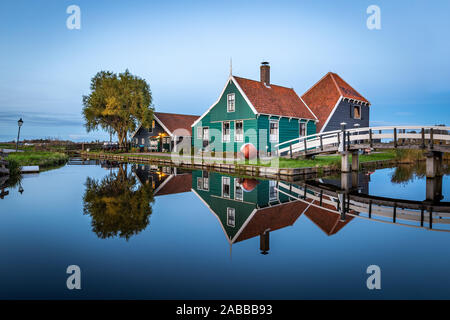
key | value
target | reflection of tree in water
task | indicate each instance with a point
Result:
(406, 173)
(116, 205)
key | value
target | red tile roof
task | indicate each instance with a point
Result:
(323, 96)
(176, 184)
(272, 218)
(274, 99)
(329, 222)
(173, 121)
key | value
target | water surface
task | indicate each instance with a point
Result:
(163, 233)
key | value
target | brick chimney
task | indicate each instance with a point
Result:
(265, 73)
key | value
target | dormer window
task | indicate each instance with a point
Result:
(230, 102)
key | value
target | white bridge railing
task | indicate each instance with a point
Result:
(376, 212)
(341, 140)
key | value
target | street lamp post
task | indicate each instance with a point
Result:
(19, 123)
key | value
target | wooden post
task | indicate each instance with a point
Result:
(321, 196)
(394, 216)
(321, 143)
(395, 137)
(290, 150)
(430, 143)
(431, 219)
(304, 141)
(421, 216)
(348, 140)
(423, 138)
(370, 138)
(370, 209)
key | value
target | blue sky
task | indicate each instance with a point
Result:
(183, 50)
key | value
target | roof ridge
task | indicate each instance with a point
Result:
(315, 84)
(179, 114)
(335, 83)
(271, 84)
(340, 78)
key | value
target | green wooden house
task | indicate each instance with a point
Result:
(256, 112)
(245, 212)
(267, 206)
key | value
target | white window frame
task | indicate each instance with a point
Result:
(203, 136)
(273, 184)
(226, 138)
(137, 141)
(229, 187)
(143, 141)
(278, 130)
(205, 181)
(300, 124)
(199, 183)
(236, 139)
(231, 212)
(231, 107)
(236, 185)
(353, 111)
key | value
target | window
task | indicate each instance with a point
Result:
(230, 102)
(239, 131)
(205, 180)
(226, 132)
(199, 133)
(137, 140)
(273, 129)
(238, 191)
(151, 127)
(273, 194)
(205, 133)
(143, 141)
(226, 187)
(356, 112)
(231, 217)
(302, 129)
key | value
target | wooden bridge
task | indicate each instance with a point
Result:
(434, 139)
(429, 214)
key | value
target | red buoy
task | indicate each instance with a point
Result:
(249, 151)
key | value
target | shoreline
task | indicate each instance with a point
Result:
(239, 168)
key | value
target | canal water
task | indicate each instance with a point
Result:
(148, 232)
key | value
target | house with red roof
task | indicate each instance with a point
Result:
(251, 111)
(334, 101)
(167, 131)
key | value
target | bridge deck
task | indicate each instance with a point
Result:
(426, 138)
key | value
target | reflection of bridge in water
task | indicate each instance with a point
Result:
(345, 200)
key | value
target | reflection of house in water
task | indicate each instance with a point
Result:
(164, 180)
(247, 208)
(108, 164)
(3, 186)
(328, 222)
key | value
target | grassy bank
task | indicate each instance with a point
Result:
(43, 159)
(331, 160)
(319, 161)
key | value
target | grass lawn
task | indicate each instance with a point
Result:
(38, 158)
